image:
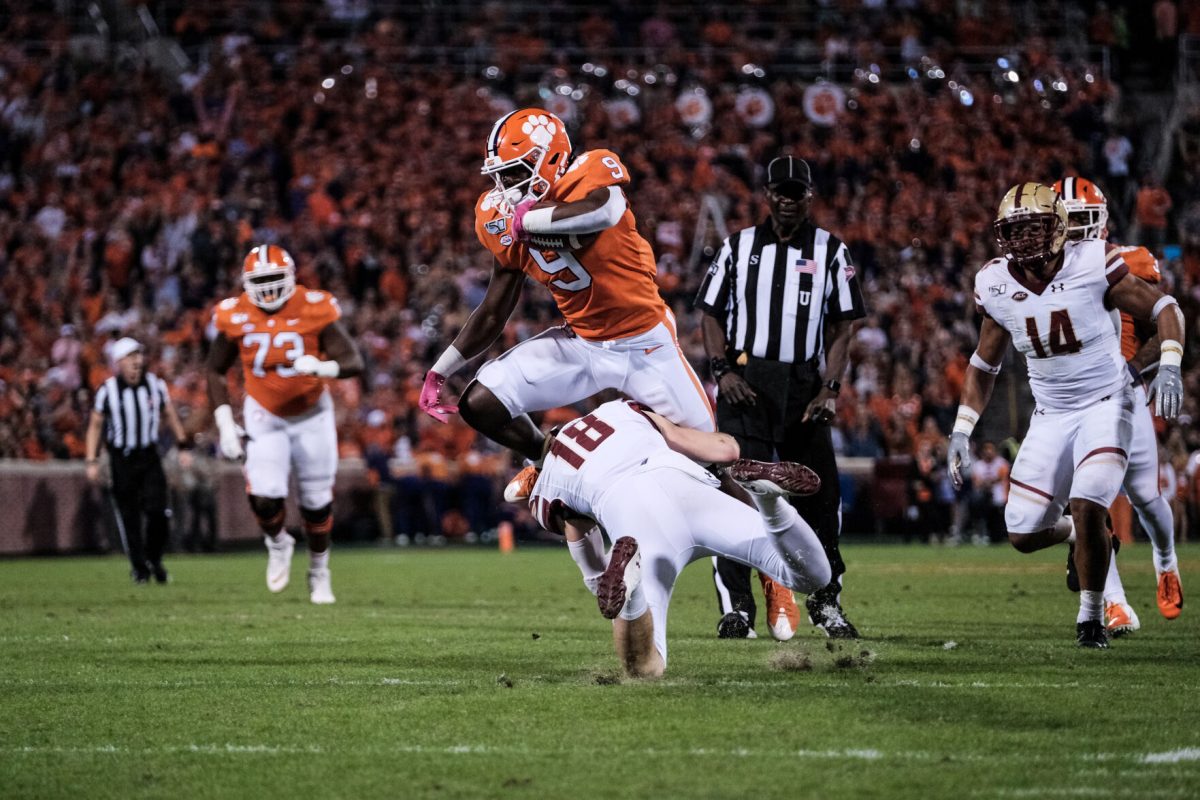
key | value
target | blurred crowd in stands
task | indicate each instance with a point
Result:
(352, 134)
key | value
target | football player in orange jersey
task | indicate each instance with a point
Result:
(560, 216)
(1087, 218)
(278, 328)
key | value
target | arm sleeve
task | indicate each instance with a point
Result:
(714, 297)
(540, 220)
(845, 300)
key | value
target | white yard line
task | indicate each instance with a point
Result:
(1186, 756)
(1172, 756)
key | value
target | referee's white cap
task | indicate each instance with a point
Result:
(124, 347)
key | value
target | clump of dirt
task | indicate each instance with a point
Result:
(791, 661)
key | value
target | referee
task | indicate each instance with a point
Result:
(780, 303)
(128, 408)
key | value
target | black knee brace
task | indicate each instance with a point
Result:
(269, 511)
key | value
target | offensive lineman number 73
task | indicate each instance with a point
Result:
(289, 341)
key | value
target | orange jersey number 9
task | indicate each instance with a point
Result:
(289, 341)
(563, 261)
(613, 165)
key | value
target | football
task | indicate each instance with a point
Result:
(573, 241)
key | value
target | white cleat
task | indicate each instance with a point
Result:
(320, 588)
(279, 560)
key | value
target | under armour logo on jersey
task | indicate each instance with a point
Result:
(1058, 287)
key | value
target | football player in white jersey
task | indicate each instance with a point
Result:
(632, 471)
(1087, 218)
(1051, 299)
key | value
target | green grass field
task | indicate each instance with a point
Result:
(465, 673)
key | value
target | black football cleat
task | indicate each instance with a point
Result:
(623, 574)
(1091, 633)
(825, 612)
(733, 625)
(159, 572)
(783, 477)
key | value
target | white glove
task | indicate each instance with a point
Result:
(311, 365)
(958, 457)
(231, 433)
(1166, 391)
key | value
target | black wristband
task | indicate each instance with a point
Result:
(718, 367)
(833, 386)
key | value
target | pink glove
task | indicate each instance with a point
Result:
(430, 394)
(518, 224)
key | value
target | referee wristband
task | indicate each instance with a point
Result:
(1170, 354)
(965, 422)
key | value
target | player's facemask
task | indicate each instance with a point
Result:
(271, 290)
(1032, 241)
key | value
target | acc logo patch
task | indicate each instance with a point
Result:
(1019, 296)
(505, 240)
(496, 226)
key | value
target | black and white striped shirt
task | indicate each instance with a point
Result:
(131, 412)
(774, 298)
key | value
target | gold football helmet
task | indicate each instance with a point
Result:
(1031, 226)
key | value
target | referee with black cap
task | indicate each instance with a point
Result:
(127, 411)
(781, 302)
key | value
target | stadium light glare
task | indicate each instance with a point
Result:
(327, 83)
(1012, 76)
(966, 98)
(347, 69)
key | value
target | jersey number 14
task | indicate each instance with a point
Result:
(1062, 335)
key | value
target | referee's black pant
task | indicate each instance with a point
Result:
(771, 430)
(139, 497)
